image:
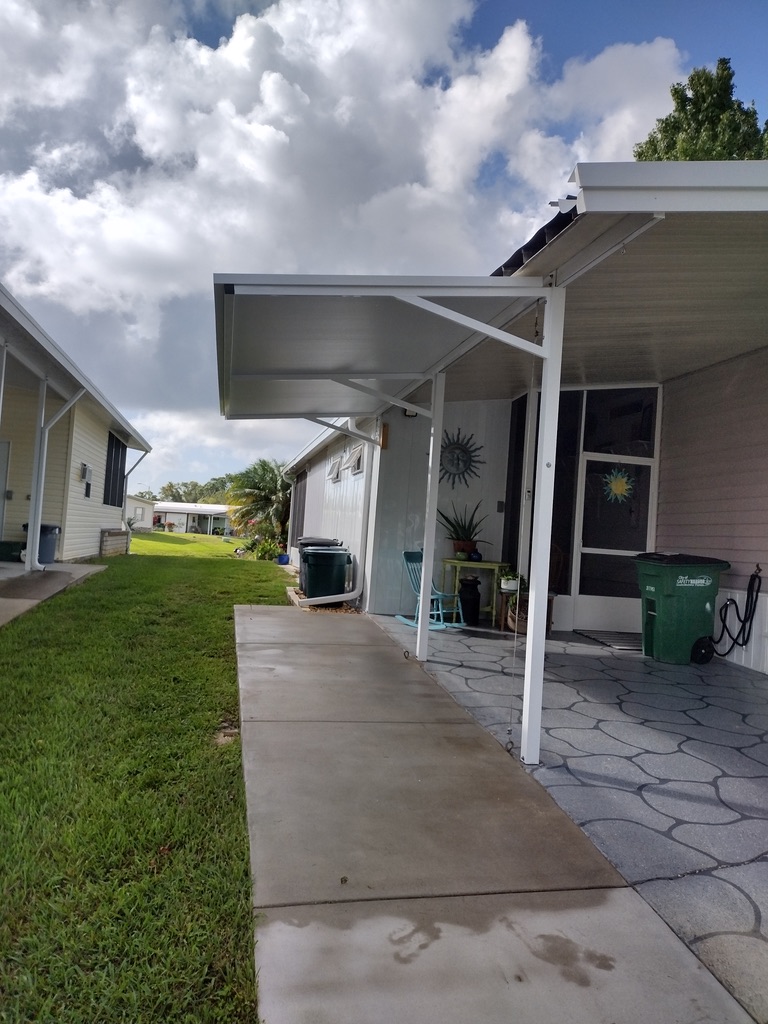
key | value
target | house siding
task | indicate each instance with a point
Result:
(402, 496)
(713, 485)
(87, 517)
(19, 427)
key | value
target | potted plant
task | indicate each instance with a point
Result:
(512, 581)
(463, 528)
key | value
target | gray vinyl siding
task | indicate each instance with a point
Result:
(713, 472)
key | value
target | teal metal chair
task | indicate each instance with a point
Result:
(444, 609)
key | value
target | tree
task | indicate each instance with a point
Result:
(147, 495)
(187, 491)
(707, 122)
(263, 498)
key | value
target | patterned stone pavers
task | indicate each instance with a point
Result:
(664, 767)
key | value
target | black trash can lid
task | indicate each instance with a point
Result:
(661, 558)
(319, 542)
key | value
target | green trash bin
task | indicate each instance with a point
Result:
(678, 595)
(325, 571)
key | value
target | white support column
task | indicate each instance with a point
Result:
(38, 478)
(3, 364)
(430, 515)
(554, 317)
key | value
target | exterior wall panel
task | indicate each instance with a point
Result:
(713, 488)
(87, 516)
(713, 481)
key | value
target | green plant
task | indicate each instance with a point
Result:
(267, 549)
(463, 526)
(511, 574)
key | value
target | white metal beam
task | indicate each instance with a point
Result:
(554, 319)
(482, 328)
(376, 393)
(430, 515)
(343, 429)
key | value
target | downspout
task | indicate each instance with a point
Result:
(125, 489)
(38, 472)
(352, 595)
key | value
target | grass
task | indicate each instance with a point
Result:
(124, 879)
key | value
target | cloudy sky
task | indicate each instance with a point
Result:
(147, 144)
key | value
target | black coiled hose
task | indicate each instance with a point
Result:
(744, 632)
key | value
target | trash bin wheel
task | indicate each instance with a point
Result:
(703, 651)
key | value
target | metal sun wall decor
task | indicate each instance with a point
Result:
(459, 457)
(618, 485)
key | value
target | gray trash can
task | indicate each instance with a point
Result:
(303, 543)
(49, 533)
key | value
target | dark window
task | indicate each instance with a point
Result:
(114, 477)
(620, 421)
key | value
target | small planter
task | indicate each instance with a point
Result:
(510, 586)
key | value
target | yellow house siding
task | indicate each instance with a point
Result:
(18, 427)
(87, 516)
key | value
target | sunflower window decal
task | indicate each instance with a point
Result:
(459, 457)
(618, 485)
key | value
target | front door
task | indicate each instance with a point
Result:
(615, 499)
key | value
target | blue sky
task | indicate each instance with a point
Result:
(702, 29)
(147, 144)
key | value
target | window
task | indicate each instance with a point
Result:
(114, 475)
(354, 461)
(334, 470)
(138, 513)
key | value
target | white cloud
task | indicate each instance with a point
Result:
(318, 136)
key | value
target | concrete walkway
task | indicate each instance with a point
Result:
(664, 767)
(406, 868)
(20, 590)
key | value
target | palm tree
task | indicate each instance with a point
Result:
(262, 496)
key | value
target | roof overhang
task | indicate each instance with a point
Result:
(666, 269)
(35, 356)
(351, 346)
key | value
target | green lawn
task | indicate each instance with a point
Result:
(124, 884)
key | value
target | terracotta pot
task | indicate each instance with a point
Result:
(464, 545)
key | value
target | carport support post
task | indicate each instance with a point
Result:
(554, 316)
(430, 516)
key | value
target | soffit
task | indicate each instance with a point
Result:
(687, 293)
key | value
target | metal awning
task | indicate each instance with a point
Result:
(666, 271)
(350, 346)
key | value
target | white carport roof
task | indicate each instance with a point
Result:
(665, 269)
(666, 266)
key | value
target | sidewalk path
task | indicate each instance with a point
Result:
(406, 868)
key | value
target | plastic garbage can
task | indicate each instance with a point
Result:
(678, 595)
(312, 542)
(325, 570)
(49, 532)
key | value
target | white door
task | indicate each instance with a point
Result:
(613, 525)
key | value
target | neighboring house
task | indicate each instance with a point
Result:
(193, 517)
(139, 512)
(64, 449)
(605, 390)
